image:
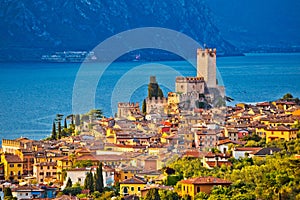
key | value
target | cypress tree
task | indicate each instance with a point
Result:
(152, 194)
(7, 192)
(53, 135)
(65, 123)
(69, 183)
(89, 182)
(59, 130)
(144, 107)
(99, 179)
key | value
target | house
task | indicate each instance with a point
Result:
(193, 186)
(280, 133)
(78, 175)
(223, 145)
(126, 172)
(211, 160)
(132, 186)
(240, 152)
(13, 166)
(264, 152)
(45, 172)
(27, 192)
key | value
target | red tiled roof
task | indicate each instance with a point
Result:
(133, 180)
(206, 181)
(247, 148)
(12, 158)
(281, 128)
(220, 142)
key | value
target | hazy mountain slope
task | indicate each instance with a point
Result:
(33, 27)
(272, 25)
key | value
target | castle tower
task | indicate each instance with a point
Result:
(206, 66)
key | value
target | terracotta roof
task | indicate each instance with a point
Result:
(281, 128)
(12, 158)
(247, 148)
(133, 180)
(213, 155)
(220, 163)
(27, 188)
(220, 142)
(87, 157)
(206, 181)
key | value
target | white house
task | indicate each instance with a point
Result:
(77, 175)
(240, 152)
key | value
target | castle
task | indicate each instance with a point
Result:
(191, 91)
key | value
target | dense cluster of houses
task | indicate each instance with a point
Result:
(134, 150)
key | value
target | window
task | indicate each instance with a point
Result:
(198, 189)
(11, 165)
(41, 180)
(41, 167)
(19, 165)
(26, 194)
(48, 167)
(125, 177)
(41, 173)
(184, 188)
(132, 188)
(139, 189)
(79, 179)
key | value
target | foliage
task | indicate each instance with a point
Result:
(89, 182)
(273, 177)
(53, 134)
(172, 179)
(169, 171)
(7, 192)
(201, 196)
(168, 195)
(72, 191)
(144, 107)
(99, 179)
(83, 163)
(152, 194)
(69, 183)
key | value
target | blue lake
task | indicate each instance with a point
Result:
(31, 94)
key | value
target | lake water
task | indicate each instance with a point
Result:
(31, 94)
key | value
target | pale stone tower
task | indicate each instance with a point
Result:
(206, 66)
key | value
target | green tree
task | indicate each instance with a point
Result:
(53, 134)
(69, 183)
(7, 192)
(72, 191)
(201, 196)
(160, 93)
(99, 179)
(144, 107)
(287, 96)
(65, 123)
(89, 182)
(152, 194)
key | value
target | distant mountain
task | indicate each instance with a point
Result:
(256, 25)
(31, 28)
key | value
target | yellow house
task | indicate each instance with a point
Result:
(13, 166)
(132, 186)
(281, 133)
(127, 172)
(63, 164)
(193, 186)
